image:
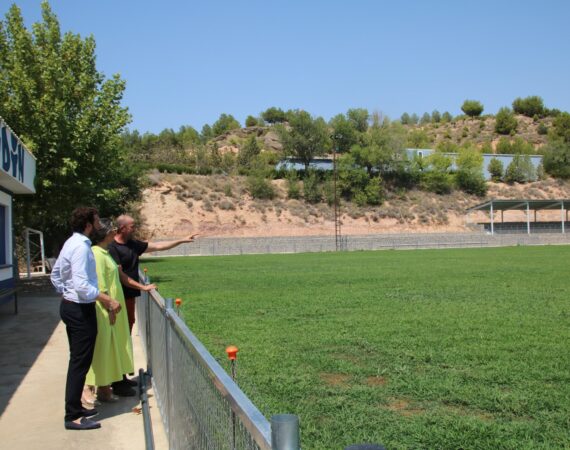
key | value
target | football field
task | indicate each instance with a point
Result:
(459, 348)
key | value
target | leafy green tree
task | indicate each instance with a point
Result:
(206, 134)
(426, 118)
(70, 116)
(529, 106)
(435, 116)
(505, 121)
(561, 127)
(414, 119)
(188, 137)
(437, 178)
(446, 117)
(405, 119)
(418, 139)
(251, 121)
(496, 169)
(225, 123)
(344, 133)
(247, 153)
(306, 137)
(274, 115)
(469, 175)
(520, 170)
(472, 108)
(520, 146)
(556, 158)
(359, 118)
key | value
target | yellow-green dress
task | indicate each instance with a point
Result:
(113, 355)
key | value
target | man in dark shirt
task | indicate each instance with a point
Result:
(126, 250)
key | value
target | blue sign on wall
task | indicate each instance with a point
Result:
(12, 154)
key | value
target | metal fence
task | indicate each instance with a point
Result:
(200, 405)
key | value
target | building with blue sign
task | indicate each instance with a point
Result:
(17, 174)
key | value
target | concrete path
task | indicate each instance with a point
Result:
(33, 364)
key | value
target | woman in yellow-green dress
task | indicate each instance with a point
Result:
(113, 355)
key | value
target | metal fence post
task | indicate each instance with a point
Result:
(285, 432)
(168, 309)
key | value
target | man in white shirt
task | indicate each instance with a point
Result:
(74, 276)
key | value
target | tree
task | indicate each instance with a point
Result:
(520, 170)
(435, 116)
(437, 177)
(414, 119)
(557, 159)
(225, 123)
(426, 118)
(188, 137)
(469, 175)
(306, 137)
(70, 117)
(472, 108)
(496, 169)
(561, 127)
(344, 134)
(251, 121)
(418, 139)
(529, 106)
(359, 118)
(446, 117)
(248, 152)
(274, 115)
(405, 119)
(505, 121)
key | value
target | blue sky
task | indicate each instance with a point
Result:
(186, 62)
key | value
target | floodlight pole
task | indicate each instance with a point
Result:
(337, 233)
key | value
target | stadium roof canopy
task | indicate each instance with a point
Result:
(523, 205)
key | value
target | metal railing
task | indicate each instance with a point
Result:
(200, 405)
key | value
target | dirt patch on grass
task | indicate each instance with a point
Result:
(464, 411)
(376, 381)
(334, 379)
(403, 407)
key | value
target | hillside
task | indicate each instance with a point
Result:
(217, 205)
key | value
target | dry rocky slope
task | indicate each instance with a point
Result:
(175, 205)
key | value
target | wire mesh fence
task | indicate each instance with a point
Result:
(306, 244)
(200, 405)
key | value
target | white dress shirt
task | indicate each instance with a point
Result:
(74, 274)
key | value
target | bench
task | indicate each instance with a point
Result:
(6, 296)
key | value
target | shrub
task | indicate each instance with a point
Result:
(557, 159)
(251, 121)
(496, 168)
(471, 181)
(438, 182)
(506, 122)
(504, 146)
(293, 190)
(311, 188)
(542, 129)
(374, 191)
(529, 106)
(259, 187)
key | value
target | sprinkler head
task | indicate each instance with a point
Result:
(232, 352)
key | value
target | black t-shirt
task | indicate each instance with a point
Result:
(127, 256)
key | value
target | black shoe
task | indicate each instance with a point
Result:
(123, 390)
(89, 412)
(84, 424)
(130, 382)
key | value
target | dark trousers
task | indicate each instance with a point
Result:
(81, 324)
